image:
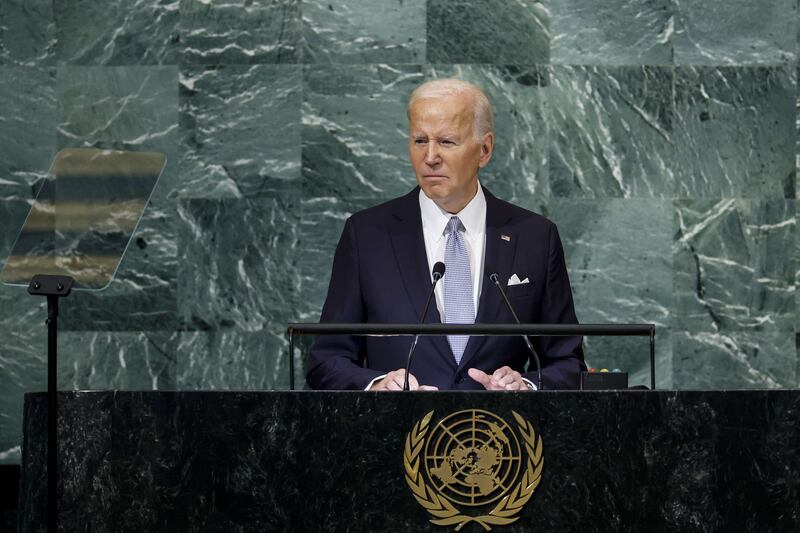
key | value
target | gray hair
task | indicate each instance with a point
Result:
(443, 87)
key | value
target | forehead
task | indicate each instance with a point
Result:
(452, 112)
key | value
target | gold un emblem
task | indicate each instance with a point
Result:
(473, 459)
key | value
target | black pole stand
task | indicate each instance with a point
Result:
(54, 287)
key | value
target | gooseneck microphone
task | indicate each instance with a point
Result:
(495, 278)
(438, 272)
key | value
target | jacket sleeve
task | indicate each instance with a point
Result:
(335, 362)
(561, 357)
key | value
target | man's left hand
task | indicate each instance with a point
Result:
(504, 378)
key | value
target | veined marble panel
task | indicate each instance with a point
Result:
(612, 132)
(735, 32)
(355, 131)
(145, 360)
(27, 130)
(733, 269)
(143, 295)
(240, 129)
(619, 257)
(27, 32)
(735, 132)
(364, 31)
(125, 108)
(735, 360)
(618, 254)
(240, 31)
(231, 359)
(611, 32)
(632, 355)
(23, 350)
(503, 32)
(130, 32)
(23, 368)
(319, 229)
(238, 266)
(131, 108)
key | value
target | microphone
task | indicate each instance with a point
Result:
(438, 272)
(495, 278)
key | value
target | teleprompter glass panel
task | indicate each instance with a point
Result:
(84, 216)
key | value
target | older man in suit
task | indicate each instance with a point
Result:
(382, 268)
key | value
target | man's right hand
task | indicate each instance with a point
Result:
(394, 381)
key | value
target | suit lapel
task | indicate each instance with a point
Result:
(408, 242)
(501, 245)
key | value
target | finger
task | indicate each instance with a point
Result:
(501, 372)
(511, 377)
(505, 380)
(394, 379)
(428, 387)
(496, 385)
(514, 386)
(493, 384)
(480, 376)
(394, 383)
(413, 384)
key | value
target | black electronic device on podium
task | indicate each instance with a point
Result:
(74, 238)
(524, 330)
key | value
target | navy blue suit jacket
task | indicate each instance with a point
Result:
(380, 275)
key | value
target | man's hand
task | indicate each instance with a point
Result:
(394, 381)
(504, 378)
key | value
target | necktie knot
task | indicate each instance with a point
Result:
(454, 225)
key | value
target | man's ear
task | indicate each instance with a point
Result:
(487, 148)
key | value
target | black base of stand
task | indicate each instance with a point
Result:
(54, 287)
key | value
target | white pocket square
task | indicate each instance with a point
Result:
(514, 280)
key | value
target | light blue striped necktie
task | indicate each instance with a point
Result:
(459, 307)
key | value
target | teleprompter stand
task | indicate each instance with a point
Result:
(54, 288)
(74, 238)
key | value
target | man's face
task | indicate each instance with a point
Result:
(444, 151)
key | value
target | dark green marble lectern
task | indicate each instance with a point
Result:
(340, 461)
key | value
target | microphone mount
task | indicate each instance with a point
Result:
(495, 278)
(438, 272)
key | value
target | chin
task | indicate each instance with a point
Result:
(435, 190)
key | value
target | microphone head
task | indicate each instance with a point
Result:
(438, 270)
(488, 270)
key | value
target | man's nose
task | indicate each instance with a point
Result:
(432, 153)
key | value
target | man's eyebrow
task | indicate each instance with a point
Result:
(442, 136)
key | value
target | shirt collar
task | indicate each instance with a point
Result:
(435, 219)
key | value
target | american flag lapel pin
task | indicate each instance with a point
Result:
(506, 238)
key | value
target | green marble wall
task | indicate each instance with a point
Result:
(659, 135)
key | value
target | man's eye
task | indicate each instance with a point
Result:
(420, 141)
(447, 142)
